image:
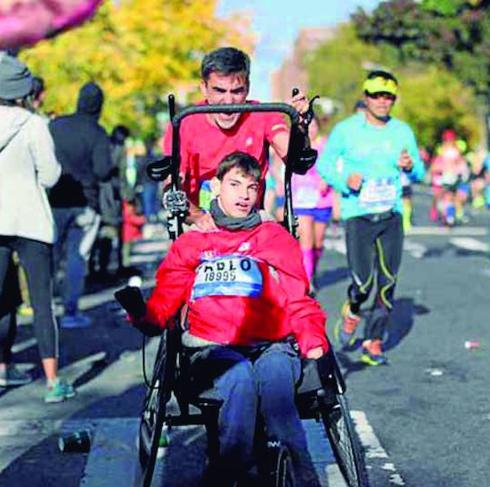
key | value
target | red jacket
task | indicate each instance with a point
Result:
(241, 286)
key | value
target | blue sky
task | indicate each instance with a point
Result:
(277, 23)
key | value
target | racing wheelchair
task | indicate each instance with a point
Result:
(321, 392)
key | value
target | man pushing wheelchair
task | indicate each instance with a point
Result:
(250, 320)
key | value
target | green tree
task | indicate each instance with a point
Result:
(431, 98)
(138, 50)
(452, 33)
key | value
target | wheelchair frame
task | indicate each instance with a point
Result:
(321, 393)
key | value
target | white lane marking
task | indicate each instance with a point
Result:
(336, 244)
(469, 244)
(24, 345)
(445, 231)
(374, 452)
(415, 249)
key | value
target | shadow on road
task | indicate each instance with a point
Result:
(332, 276)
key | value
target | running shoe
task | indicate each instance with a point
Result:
(11, 376)
(348, 322)
(58, 391)
(373, 353)
(76, 320)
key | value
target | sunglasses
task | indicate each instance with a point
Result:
(382, 94)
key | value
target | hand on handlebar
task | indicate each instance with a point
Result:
(300, 102)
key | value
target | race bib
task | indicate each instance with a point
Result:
(378, 195)
(232, 275)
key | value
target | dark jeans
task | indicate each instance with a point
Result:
(247, 385)
(374, 251)
(69, 244)
(36, 259)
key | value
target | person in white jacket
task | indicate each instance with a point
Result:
(28, 166)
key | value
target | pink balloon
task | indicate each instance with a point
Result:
(25, 22)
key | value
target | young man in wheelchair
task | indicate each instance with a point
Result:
(250, 320)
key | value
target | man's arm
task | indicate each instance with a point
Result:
(280, 140)
(410, 160)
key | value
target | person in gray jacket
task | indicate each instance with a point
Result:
(27, 167)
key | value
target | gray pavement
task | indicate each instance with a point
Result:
(424, 420)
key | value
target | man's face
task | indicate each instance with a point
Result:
(379, 105)
(237, 193)
(222, 89)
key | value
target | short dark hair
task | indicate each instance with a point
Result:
(379, 73)
(246, 163)
(225, 60)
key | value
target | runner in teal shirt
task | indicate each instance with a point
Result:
(363, 160)
(357, 146)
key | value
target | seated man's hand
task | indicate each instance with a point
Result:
(315, 353)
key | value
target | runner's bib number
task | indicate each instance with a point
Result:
(228, 276)
(378, 195)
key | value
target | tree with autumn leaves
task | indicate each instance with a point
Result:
(138, 51)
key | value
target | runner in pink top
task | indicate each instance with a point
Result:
(312, 201)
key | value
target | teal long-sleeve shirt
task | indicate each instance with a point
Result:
(356, 146)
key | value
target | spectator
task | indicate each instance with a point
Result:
(28, 166)
(110, 200)
(83, 149)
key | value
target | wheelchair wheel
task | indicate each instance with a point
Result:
(277, 470)
(155, 407)
(345, 445)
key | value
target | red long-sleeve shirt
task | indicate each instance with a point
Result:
(241, 286)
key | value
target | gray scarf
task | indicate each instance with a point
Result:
(233, 223)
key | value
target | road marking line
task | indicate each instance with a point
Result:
(469, 244)
(373, 449)
(415, 249)
(336, 244)
(445, 231)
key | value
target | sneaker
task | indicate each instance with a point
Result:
(12, 376)
(349, 322)
(75, 321)
(59, 391)
(373, 353)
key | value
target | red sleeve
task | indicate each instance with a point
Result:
(175, 278)
(275, 124)
(308, 320)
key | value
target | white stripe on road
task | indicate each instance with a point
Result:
(376, 456)
(150, 247)
(469, 244)
(336, 244)
(445, 231)
(415, 249)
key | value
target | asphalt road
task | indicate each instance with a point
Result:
(423, 420)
